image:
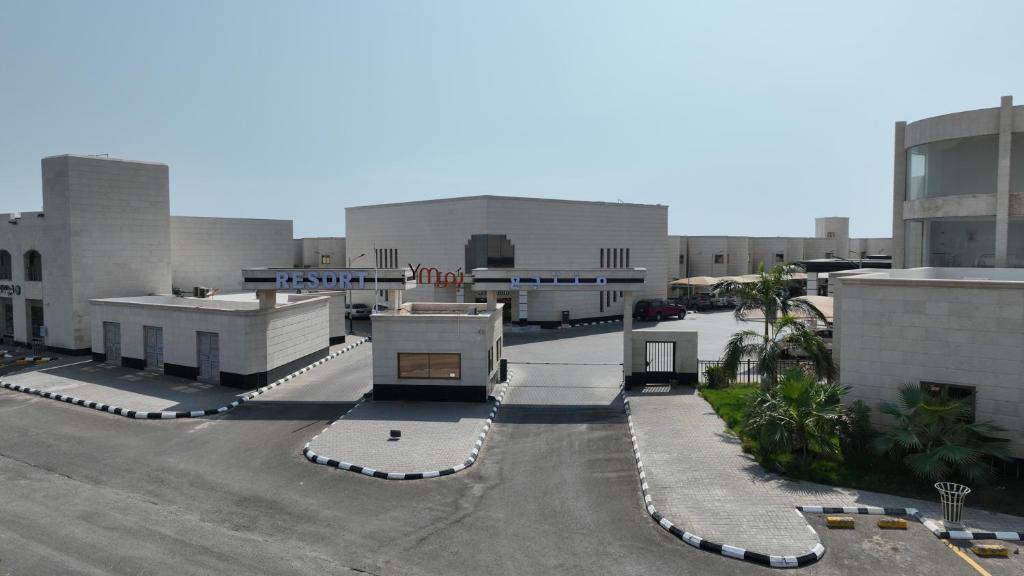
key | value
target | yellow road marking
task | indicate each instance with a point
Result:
(970, 561)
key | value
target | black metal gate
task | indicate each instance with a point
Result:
(661, 361)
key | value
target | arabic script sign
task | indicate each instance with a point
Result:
(517, 283)
(10, 290)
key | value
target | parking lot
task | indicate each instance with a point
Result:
(555, 491)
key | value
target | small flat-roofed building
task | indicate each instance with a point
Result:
(956, 332)
(228, 341)
(436, 351)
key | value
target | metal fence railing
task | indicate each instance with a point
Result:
(748, 372)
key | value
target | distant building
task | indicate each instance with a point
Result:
(735, 255)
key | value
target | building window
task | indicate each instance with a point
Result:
(490, 359)
(953, 167)
(5, 265)
(780, 257)
(490, 251)
(430, 366)
(830, 234)
(682, 259)
(719, 258)
(33, 266)
(953, 393)
(325, 259)
(385, 257)
(951, 242)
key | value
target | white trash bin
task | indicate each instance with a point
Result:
(952, 496)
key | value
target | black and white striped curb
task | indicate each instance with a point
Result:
(142, 415)
(594, 323)
(771, 560)
(937, 529)
(473, 454)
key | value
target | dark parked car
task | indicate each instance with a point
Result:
(658, 309)
(357, 311)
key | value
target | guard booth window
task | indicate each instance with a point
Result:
(432, 366)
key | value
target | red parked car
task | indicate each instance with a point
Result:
(658, 310)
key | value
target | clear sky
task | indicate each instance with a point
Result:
(746, 118)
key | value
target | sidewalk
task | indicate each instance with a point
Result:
(700, 480)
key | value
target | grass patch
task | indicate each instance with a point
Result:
(873, 472)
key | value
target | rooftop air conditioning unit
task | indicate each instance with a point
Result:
(201, 292)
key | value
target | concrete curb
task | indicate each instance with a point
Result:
(143, 415)
(578, 324)
(473, 454)
(938, 530)
(770, 560)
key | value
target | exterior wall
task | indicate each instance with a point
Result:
(686, 364)
(889, 332)
(1006, 122)
(545, 233)
(309, 252)
(335, 311)
(110, 226)
(253, 343)
(212, 252)
(469, 335)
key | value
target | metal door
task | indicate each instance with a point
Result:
(208, 356)
(154, 337)
(661, 361)
(112, 342)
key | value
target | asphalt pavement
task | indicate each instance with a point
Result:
(555, 492)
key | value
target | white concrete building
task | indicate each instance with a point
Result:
(106, 231)
(326, 252)
(437, 351)
(442, 240)
(735, 255)
(231, 342)
(952, 331)
(958, 189)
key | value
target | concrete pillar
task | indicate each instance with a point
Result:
(492, 300)
(267, 298)
(1003, 180)
(627, 339)
(899, 194)
(396, 299)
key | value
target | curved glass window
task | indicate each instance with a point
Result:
(1017, 163)
(1015, 243)
(953, 167)
(950, 242)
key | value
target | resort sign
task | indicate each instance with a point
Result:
(429, 275)
(578, 279)
(327, 279)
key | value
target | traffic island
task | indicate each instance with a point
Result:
(434, 438)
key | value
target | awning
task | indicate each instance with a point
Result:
(695, 281)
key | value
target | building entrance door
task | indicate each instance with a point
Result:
(112, 342)
(661, 361)
(154, 337)
(208, 355)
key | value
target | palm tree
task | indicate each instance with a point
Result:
(786, 333)
(801, 415)
(769, 296)
(936, 439)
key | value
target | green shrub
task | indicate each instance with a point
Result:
(858, 434)
(801, 416)
(936, 439)
(716, 376)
